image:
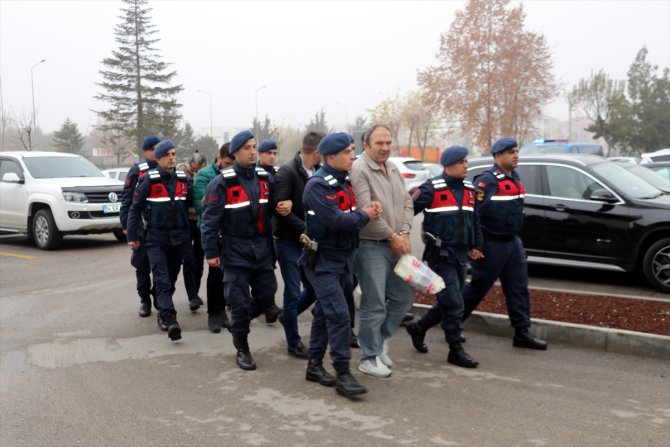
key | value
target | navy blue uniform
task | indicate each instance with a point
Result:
(139, 258)
(237, 203)
(500, 210)
(448, 205)
(162, 199)
(332, 221)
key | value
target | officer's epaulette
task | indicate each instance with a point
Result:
(154, 175)
(332, 181)
(261, 172)
(144, 166)
(181, 174)
(468, 184)
(230, 177)
(228, 173)
(499, 174)
(438, 183)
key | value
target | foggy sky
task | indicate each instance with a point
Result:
(342, 56)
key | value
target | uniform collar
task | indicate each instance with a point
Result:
(339, 175)
(244, 172)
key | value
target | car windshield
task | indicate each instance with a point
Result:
(627, 182)
(61, 167)
(652, 177)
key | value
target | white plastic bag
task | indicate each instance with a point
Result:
(418, 275)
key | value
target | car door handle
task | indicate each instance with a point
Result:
(560, 207)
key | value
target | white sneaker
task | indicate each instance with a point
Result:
(374, 368)
(384, 356)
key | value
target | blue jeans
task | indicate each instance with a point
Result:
(448, 309)
(385, 298)
(295, 301)
(507, 261)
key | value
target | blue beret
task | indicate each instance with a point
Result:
(163, 148)
(334, 143)
(239, 139)
(453, 154)
(150, 142)
(503, 144)
(267, 145)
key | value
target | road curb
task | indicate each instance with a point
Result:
(605, 339)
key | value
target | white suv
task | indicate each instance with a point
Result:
(50, 194)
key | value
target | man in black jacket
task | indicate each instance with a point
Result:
(289, 184)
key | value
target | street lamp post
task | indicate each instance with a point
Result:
(211, 131)
(32, 87)
(256, 113)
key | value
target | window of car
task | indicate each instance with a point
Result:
(626, 181)
(414, 165)
(7, 166)
(61, 167)
(530, 178)
(567, 182)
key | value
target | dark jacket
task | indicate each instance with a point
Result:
(251, 252)
(177, 234)
(289, 184)
(129, 185)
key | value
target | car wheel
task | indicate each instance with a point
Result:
(120, 235)
(657, 265)
(45, 232)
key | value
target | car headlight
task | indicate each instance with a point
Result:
(75, 197)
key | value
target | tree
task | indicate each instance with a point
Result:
(68, 138)
(206, 145)
(318, 123)
(596, 97)
(649, 97)
(492, 76)
(137, 83)
(389, 112)
(184, 139)
(265, 130)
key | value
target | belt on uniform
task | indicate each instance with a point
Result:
(383, 241)
(498, 237)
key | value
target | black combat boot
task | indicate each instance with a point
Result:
(173, 329)
(161, 323)
(523, 339)
(214, 322)
(244, 359)
(347, 385)
(418, 335)
(145, 307)
(317, 373)
(272, 313)
(459, 357)
(195, 304)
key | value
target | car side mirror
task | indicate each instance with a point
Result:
(603, 195)
(11, 177)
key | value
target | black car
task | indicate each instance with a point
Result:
(586, 211)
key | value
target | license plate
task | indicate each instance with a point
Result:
(111, 208)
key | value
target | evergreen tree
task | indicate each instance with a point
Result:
(265, 130)
(184, 139)
(137, 84)
(318, 123)
(68, 138)
(206, 145)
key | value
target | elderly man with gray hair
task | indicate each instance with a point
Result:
(385, 297)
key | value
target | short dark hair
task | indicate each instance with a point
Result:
(224, 151)
(373, 128)
(311, 141)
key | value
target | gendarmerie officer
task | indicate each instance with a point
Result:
(332, 223)
(162, 198)
(237, 203)
(452, 234)
(500, 197)
(139, 258)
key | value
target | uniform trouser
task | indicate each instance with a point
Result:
(165, 262)
(331, 317)
(385, 298)
(193, 263)
(140, 261)
(507, 261)
(216, 302)
(249, 291)
(448, 310)
(295, 300)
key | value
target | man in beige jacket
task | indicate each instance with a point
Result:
(385, 298)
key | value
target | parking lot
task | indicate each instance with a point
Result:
(80, 368)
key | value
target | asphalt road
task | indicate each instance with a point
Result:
(78, 367)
